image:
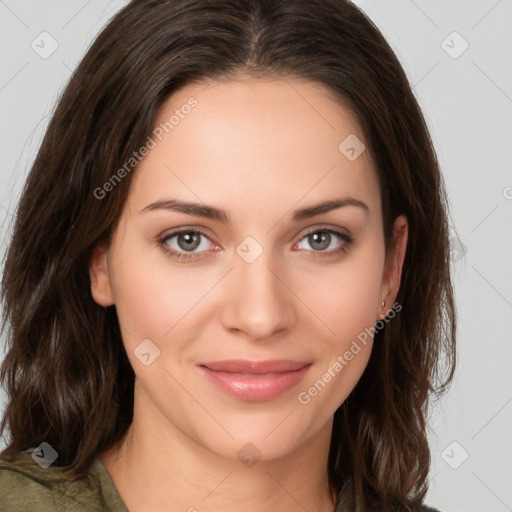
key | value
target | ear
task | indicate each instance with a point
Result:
(101, 288)
(393, 266)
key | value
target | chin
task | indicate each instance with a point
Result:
(270, 438)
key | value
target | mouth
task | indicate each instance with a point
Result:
(255, 381)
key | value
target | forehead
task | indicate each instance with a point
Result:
(264, 139)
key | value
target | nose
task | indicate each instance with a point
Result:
(258, 303)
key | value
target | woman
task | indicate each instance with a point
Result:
(228, 286)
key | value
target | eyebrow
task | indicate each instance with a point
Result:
(210, 212)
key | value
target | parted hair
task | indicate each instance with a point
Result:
(66, 373)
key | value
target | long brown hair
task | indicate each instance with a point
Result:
(68, 379)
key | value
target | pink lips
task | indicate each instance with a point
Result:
(255, 380)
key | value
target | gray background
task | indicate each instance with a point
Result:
(466, 97)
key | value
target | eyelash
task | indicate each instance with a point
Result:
(322, 254)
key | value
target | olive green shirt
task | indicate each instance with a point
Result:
(25, 486)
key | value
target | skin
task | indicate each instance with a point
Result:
(258, 149)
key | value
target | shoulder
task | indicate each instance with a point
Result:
(24, 485)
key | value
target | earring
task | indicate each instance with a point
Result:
(382, 303)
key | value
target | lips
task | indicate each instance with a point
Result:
(254, 367)
(255, 380)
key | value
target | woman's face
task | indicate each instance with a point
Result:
(254, 276)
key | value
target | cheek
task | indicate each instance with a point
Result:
(348, 298)
(151, 296)
(346, 302)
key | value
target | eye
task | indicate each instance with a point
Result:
(321, 239)
(185, 243)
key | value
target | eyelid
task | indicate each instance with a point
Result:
(320, 227)
(185, 229)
